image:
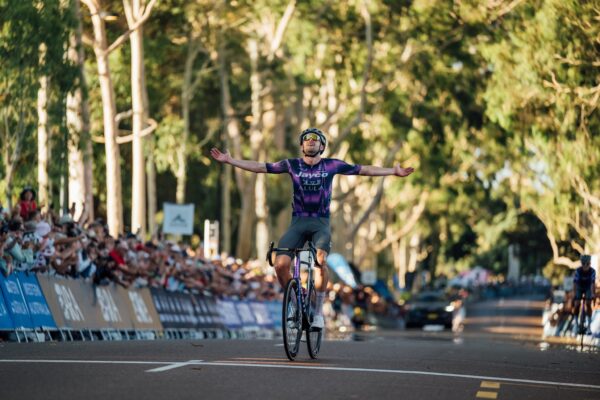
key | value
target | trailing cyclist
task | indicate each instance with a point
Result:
(584, 281)
(312, 178)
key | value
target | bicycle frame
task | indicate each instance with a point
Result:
(302, 300)
(312, 261)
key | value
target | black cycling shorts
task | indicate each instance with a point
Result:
(579, 291)
(303, 229)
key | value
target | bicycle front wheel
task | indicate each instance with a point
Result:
(291, 320)
(313, 336)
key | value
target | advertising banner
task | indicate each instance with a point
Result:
(207, 313)
(5, 320)
(141, 308)
(175, 310)
(73, 303)
(261, 314)
(229, 314)
(15, 302)
(113, 307)
(274, 308)
(246, 314)
(36, 302)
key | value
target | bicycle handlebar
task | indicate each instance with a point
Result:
(311, 248)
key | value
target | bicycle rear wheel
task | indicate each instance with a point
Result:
(291, 320)
(313, 337)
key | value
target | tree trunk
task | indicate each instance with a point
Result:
(257, 139)
(186, 98)
(151, 179)
(43, 140)
(139, 122)
(269, 122)
(11, 155)
(114, 198)
(80, 145)
(244, 181)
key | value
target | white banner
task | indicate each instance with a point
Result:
(179, 218)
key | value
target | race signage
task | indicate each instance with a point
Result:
(178, 218)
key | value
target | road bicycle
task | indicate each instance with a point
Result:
(582, 318)
(299, 303)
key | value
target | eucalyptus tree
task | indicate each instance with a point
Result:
(31, 29)
(544, 93)
(102, 50)
(78, 122)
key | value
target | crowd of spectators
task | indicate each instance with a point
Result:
(33, 241)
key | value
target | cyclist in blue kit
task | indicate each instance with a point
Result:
(584, 280)
(312, 178)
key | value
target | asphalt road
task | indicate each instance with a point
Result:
(474, 364)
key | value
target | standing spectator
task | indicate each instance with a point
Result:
(27, 202)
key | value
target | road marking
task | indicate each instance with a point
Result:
(174, 365)
(88, 362)
(486, 395)
(490, 385)
(335, 369)
(278, 362)
(405, 372)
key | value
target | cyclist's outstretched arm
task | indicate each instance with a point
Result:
(397, 170)
(248, 165)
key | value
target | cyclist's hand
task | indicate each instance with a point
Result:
(402, 172)
(220, 157)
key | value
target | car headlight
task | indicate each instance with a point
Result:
(449, 308)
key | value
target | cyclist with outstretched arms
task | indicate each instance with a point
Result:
(312, 178)
(584, 281)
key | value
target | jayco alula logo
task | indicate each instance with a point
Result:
(312, 175)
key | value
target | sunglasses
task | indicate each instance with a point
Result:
(311, 136)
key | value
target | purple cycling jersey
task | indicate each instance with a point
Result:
(312, 184)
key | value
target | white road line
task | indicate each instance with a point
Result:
(87, 362)
(372, 370)
(407, 372)
(175, 365)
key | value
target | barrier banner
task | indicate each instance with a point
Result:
(113, 307)
(175, 310)
(77, 304)
(246, 314)
(36, 302)
(15, 302)
(73, 303)
(5, 320)
(141, 308)
(261, 314)
(229, 314)
(207, 313)
(274, 308)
